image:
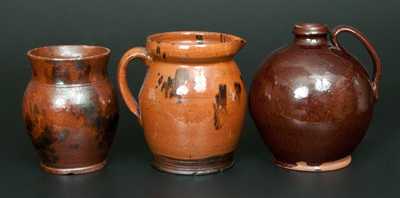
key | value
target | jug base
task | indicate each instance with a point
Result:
(73, 171)
(326, 166)
(194, 167)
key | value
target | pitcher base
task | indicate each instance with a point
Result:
(194, 167)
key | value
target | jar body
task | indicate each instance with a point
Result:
(312, 105)
(192, 111)
(71, 126)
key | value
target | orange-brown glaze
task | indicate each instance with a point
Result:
(193, 100)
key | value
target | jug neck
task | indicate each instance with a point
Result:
(311, 35)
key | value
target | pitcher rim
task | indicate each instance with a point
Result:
(193, 44)
(31, 54)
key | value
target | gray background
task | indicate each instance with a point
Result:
(266, 25)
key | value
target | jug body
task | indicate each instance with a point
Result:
(312, 102)
(192, 102)
(70, 108)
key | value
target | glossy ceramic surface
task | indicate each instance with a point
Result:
(312, 102)
(192, 102)
(69, 108)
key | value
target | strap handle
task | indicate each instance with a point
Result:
(377, 71)
(136, 52)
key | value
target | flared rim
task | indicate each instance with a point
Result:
(82, 52)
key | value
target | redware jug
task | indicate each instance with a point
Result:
(192, 101)
(70, 108)
(312, 101)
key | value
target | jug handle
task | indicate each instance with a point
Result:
(377, 71)
(136, 52)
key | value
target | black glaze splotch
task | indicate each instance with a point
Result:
(106, 132)
(199, 39)
(69, 72)
(222, 38)
(158, 50)
(29, 125)
(167, 87)
(238, 90)
(83, 68)
(60, 74)
(160, 80)
(170, 85)
(43, 143)
(219, 105)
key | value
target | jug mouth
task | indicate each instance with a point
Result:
(310, 29)
(193, 45)
(68, 52)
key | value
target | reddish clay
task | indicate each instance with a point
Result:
(192, 102)
(70, 108)
(312, 102)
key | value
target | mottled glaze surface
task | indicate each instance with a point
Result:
(69, 108)
(312, 102)
(193, 100)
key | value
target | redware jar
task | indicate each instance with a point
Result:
(70, 108)
(312, 102)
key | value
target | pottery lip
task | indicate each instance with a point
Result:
(310, 29)
(82, 49)
(193, 45)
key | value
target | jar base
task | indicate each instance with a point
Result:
(73, 171)
(193, 167)
(326, 166)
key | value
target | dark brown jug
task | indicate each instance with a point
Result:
(312, 102)
(70, 108)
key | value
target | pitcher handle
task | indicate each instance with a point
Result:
(377, 71)
(136, 52)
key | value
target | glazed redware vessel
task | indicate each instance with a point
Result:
(192, 101)
(69, 107)
(312, 101)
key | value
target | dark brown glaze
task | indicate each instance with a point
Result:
(312, 102)
(70, 108)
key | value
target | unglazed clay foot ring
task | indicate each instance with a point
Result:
(327, 166)
(73, 171)
(194, 167)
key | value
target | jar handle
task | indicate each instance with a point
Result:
(136, 52)
(377, 71)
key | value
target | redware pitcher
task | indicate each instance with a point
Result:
(192, 102)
